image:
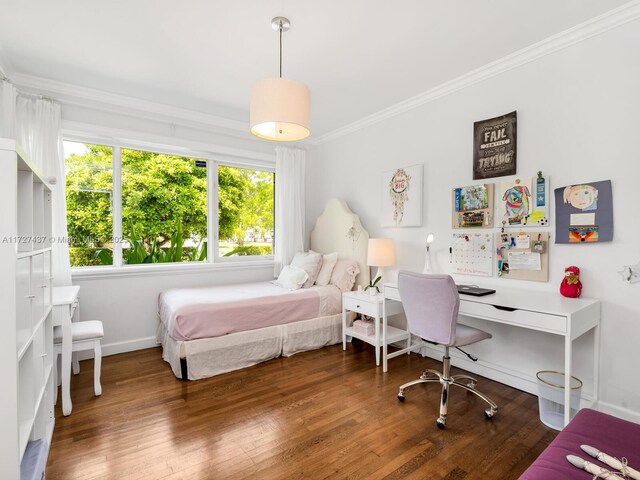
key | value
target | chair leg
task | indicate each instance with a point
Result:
(493, 408)
(97, 366)
(75, 363)
(424, 378)
(471, 383)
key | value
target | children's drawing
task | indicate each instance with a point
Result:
(524, 201)
(582, 197)
(584, 213)
(402, 197)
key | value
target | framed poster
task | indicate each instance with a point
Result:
(523, 202)
(584, 213)
(402, 197)
(494, 147)
(472, 206)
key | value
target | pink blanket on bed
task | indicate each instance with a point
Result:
(195, 313)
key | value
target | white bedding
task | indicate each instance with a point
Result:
(193, 313)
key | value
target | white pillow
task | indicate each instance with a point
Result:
(328, 262)
(310, 262)
(291, 277)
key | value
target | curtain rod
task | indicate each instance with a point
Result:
(3, 78)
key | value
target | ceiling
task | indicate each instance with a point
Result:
(357, 56)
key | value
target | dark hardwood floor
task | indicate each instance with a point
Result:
(320, 414)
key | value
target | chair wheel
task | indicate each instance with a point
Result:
(489, 413)
(401, 397)
(441, 424)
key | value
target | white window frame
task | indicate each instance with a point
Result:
(214, 260)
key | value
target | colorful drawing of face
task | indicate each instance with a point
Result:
(583, 197)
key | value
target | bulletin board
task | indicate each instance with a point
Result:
(523, 255)
(472, 206)
(472, 254)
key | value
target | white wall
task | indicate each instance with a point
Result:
(578, 121)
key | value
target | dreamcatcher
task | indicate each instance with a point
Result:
(398, 188)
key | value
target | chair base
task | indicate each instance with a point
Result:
(446, 381)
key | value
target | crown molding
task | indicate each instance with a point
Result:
(75, 95)
(614, 18)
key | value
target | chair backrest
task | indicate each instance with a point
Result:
(431, 304)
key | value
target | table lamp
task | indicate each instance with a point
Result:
(428, 267)
(381, 253)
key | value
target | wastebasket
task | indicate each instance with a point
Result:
(551, 397)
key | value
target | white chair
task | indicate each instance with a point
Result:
(85, 336)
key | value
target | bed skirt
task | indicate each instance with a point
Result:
(206, 357)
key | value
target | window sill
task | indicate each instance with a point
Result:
(168, 268)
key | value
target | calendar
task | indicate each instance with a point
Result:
(472, 254)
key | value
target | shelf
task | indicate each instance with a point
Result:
(393, 335)
(27, 352)
(29, 341)
(25, 430)
(31, 253)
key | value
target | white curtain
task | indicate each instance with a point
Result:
(8, 94)
(289, 208)
(36, 125)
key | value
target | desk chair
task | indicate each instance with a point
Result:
(85, 336)
(431, 305)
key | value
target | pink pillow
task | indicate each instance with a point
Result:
(344, 274)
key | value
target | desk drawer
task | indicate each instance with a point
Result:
(371, 309)
(521, 318)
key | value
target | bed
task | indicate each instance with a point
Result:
(212, 330)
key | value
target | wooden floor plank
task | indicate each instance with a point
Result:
(316, 415)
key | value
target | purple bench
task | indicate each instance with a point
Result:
(610, 435)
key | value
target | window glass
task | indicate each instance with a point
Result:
(89, 203)
(245, 211)
(164, 208)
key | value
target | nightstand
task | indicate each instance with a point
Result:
(371, 306)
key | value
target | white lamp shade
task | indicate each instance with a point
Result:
(280, 109)
(381, 252)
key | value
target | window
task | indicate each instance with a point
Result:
(129, 206)
(164, 208)
(245, 211)
(89, 201)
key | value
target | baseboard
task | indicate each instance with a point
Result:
(121, 347)
(499, 373)
(619, 412)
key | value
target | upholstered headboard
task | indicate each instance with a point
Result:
(338, 229)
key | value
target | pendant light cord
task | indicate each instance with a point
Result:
(280, 48)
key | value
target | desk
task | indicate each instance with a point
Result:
(65, 308)
(540, 311)
(372, 306)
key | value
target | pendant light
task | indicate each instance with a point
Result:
(280, 107)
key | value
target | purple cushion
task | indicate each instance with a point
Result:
(611, 435)
(466, 335)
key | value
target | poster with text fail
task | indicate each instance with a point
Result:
(494, 147)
